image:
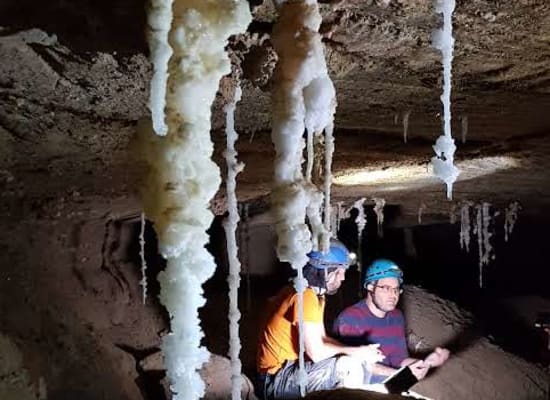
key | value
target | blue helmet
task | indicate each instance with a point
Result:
(337, 256)
(380, 269)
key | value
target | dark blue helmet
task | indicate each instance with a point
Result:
(337, 256)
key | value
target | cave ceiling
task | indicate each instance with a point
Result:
(74, 84)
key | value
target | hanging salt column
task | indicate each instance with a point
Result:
(303, 97)
(406, 125)
(183, 178)
(465, 227)
(478, 230)
(143, 281)
(329, 150)
(395, 118)
(379, 205)
(159, 20)
(482, 230)
(360, 222)
(443, 161)
(487, 219)
(230, 227)
(337, 214)
(510, 218)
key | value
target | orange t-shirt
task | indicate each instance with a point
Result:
(279, 339)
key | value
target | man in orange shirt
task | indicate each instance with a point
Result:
(329, 364)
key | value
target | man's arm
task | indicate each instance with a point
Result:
(319, 346)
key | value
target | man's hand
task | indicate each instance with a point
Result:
(419, 369)
(437, 357)
(370, 353)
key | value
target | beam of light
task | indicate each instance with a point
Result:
(418, 174)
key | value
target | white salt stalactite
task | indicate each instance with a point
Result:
(143, 281)
(313, 211)
(303, 98)
(395, 118)
(464, 125)
(465, 226)
(379, 205)
(230, 227)
(478, 230)
(159, 20)
(406, 125)
(487, 219)
(510, 218)
(329, 151)
(183, 178)
(483, 233)
(360, 222)
(421, 210)
(444, 148)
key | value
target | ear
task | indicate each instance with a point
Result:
(370, 287)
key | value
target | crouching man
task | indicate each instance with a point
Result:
(375, 319)
(329, 364)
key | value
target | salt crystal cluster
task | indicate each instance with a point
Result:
(183, 178)
(303, 98)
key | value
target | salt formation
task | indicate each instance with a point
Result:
(338, 213)
(395, 118)
(464, 125)
(360, 222)
(159, 21)
(329, 150)
(406, 125)
(481, 230)
(183, 178)
(303, 98)
(421, 210)
(143, 281)
(444, 148)
(379, 205)
(510, 218)
(465, 226)
(230, 227)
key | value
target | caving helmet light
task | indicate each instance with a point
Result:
(337, 256)
(380, 269)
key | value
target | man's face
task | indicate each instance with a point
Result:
(334, 280)
(385, 293)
